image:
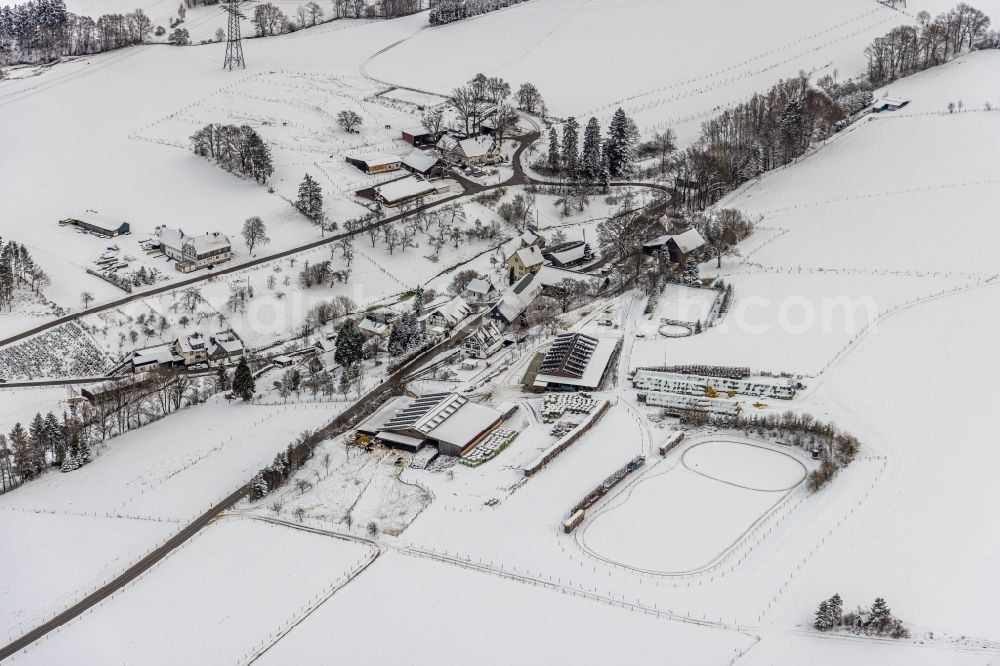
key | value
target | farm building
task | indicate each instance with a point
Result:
(419, 136)
(550, 277)
(678, 246)
(568, 254)
(576, 362)
(95, 223)
(421, 162)
(888, 104)
(515, 300)
(684, 405)
(407, 189)
(451, 421)
(527, 260)
(689, 384)
(119, 390)
(204, 250)
(483, 342)
(372, 163)
(151, 357)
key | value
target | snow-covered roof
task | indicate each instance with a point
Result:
(405, 188)
(99, 220)
(191, 343)
(160, 355)
(487, 335)
(516, 300)
(466, 423)
(375, 159)
(568, 254)
(890, 101)
(208, 243)
(454, 310)
(448, 142)
(173, 238)
(529, 237)
(477, 146)
(420, 160)
(530, 256)
(371, 326)
(480, 286)
(550, 276)
(688, 241)
(227, 342)
(446, 417)
(588, 367)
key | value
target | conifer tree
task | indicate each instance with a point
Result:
(555, 160)
(310, 201)
(692, 276)
(221, 379)
(590, 157)
(571, 144)
(349, 344)
(621, 145)
(244, 386)
(822, 621)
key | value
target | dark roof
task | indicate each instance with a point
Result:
(569, 355)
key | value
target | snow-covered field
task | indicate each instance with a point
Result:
(213, 601)
(140, 489)
(872, 275)
(500, 621)
(673, 76)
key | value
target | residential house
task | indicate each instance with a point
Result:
(516, 300)
(532, 237)
(526, 261)
(484, 341)
(192, 349)
(480, 291)
(474, 151)
(449, 314)
(376, 325)
(203, 251)
(224, 348)
(172, 242)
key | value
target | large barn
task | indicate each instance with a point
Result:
(576, 362)
(95, 223)
(449, 420)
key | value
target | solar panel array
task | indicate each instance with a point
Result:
(408, 416)
(569, 355)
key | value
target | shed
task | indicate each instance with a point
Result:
(95, 223)
(372, 163)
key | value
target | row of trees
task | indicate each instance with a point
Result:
(17, 267)
(268, 19)
(235, 148)
(485, 97)
(907, 49)
(594, 157)
(43, 31)
(877, 620)
(448, 11)
(769, 130)
(48, 441)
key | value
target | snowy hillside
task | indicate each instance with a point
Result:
(545, 410)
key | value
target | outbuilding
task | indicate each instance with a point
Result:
(372, 163)
(95, 223)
